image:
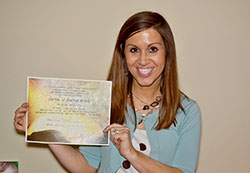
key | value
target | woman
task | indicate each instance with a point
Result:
(154, 126)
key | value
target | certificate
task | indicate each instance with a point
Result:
(68, 111)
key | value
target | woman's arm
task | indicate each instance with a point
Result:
(69, 157)
(143, 163)
(120, 136)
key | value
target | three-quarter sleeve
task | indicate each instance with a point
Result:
(187, 150)
(92, 154)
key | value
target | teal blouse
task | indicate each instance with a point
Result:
(177, 146)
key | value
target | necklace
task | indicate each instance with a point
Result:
(146, 107)
(154, 104)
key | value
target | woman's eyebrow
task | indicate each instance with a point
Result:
(154, 44)
(148, 45)
(131, 45)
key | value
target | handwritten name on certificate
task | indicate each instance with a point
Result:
(68, 111)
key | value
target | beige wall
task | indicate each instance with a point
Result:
(75, 39)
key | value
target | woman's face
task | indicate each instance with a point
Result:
(145, 57)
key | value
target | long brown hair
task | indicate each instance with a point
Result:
(122, 79)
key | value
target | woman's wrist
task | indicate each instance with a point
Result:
(133, 155)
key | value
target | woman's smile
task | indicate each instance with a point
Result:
(144, 72)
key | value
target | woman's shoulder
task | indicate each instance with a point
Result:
(188, 103)
(190, 112)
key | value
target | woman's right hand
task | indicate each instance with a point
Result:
(20, 117)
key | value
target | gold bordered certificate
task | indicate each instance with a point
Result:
(68, 111)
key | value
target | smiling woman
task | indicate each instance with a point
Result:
(143, 29)
(154, 126)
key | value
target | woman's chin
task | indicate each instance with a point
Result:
(148, 82)
(145, 83)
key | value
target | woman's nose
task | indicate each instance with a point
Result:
(143, 59)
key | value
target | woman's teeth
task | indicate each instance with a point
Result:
(145, 70)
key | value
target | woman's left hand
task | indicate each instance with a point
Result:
(120, 136)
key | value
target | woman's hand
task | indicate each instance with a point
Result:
(120, 136)
(68, 156)
(20, 117)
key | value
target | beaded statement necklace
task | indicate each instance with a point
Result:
(149, 108)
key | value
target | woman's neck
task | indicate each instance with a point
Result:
(146, 93)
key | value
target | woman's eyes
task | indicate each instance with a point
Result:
(152, 49)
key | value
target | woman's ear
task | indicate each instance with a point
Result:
(121, 47)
